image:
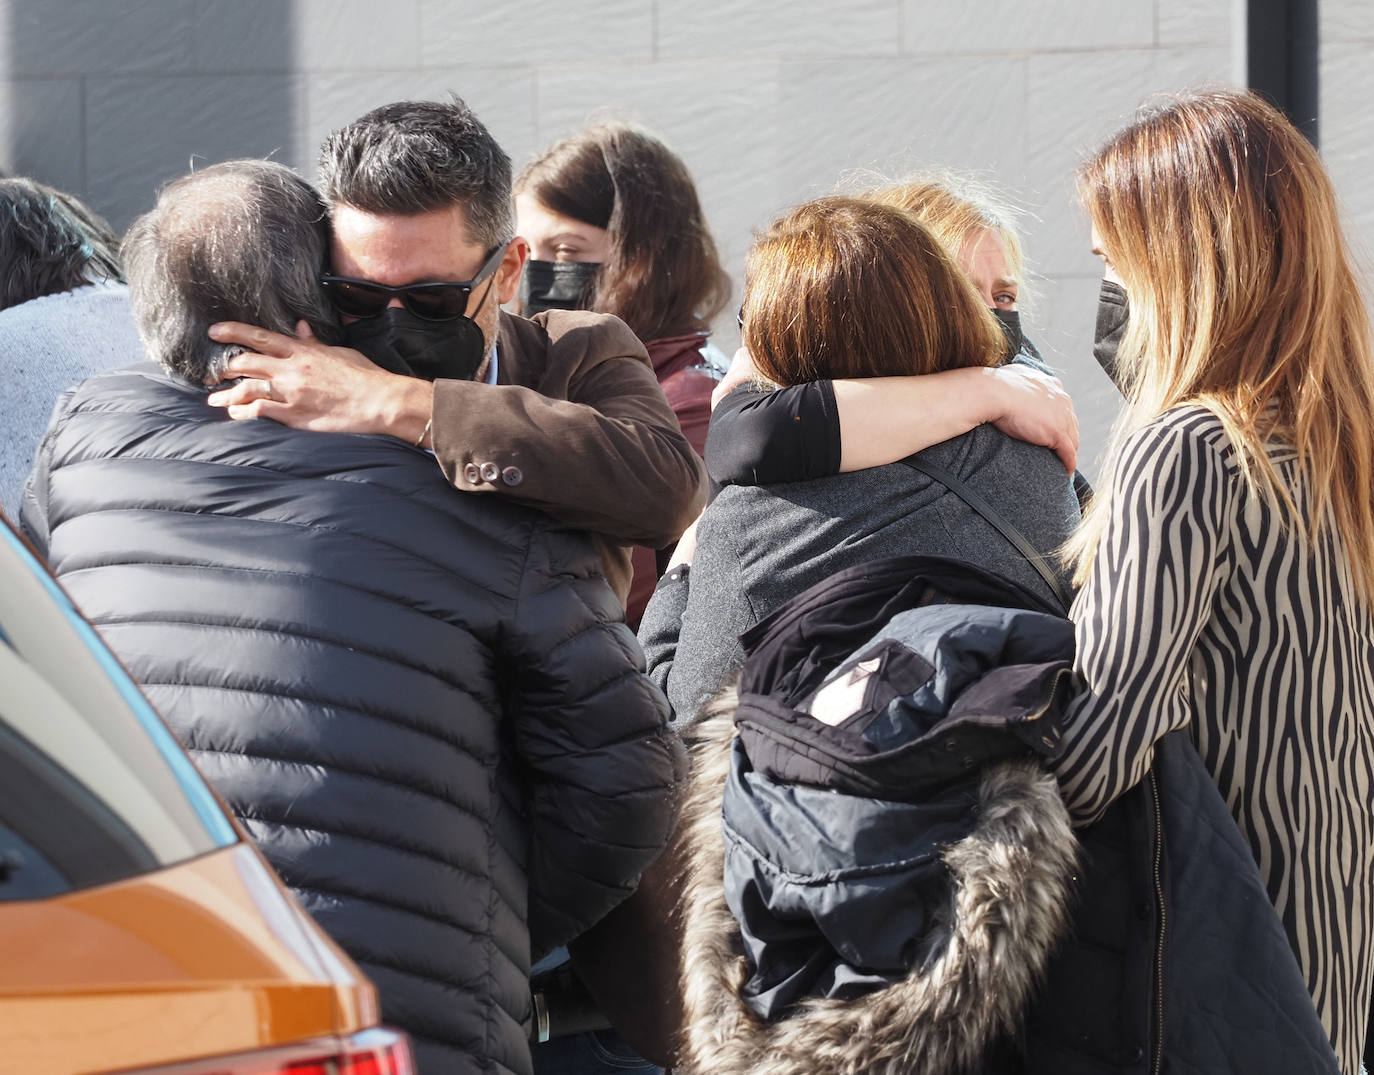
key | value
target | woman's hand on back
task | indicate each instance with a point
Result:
(1034, 407)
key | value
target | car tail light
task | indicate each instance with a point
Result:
(372, 1052)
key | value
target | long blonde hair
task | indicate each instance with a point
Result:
(1225, 230)
(957, 208)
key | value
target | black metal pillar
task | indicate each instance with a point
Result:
(1282, 57)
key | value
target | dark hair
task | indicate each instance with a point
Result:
(50, 242)
(240, 241)
(418, 156)
(848, 287)
(663, 276)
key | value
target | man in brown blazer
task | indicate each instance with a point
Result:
(563, 412)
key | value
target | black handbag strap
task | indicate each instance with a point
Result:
(997, 521)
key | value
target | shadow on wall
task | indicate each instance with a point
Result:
(108, 101)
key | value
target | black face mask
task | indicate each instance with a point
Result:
(1112, 312)
(400, 342)
(556, 285)
(1010, 320)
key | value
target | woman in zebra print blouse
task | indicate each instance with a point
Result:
(1228, 567)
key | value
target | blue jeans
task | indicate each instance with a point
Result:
(591, 1053)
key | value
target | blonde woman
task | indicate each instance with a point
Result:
(975, 226)
(1228, 567)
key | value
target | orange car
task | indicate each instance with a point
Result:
(140, 931)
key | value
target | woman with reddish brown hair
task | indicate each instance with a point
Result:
(848, 288)
(824, 427)
(615, 226)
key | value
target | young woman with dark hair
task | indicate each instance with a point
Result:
(615, 226)
(50, 243)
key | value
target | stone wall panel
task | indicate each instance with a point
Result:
(198, 121)
(503, 98)
(776, 29)
(1347, 145)
(40, 127)
(1014, 25)
(454, 32)
(97, 37)
(894, 117)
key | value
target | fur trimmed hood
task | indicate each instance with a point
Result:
(1010, 889)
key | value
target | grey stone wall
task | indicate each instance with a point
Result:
(769, 101)
(1347, 103)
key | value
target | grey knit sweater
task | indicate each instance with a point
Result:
(758, 546)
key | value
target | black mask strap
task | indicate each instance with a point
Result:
(1113, 310)
(1010, 320)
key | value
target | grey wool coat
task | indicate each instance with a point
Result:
(758, 546)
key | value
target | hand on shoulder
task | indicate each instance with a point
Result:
(1035, 407)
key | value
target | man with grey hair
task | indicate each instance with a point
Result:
(244, 235)
(425, 708)
(563, 412)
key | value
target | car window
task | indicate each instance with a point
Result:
(93, 788)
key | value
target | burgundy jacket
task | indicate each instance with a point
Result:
(677, 362)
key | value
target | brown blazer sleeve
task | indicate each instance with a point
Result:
(576, 426)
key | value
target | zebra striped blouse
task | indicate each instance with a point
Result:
(1202, 611)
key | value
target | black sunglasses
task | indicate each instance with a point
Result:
(432, 301)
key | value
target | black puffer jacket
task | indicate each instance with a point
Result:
(425, 707)
(1177, 961)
